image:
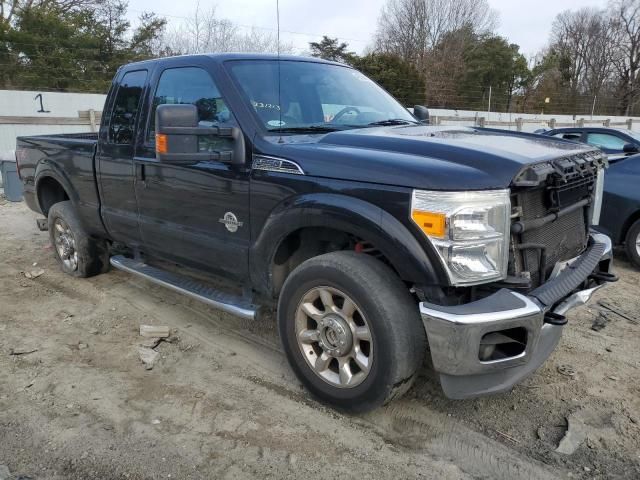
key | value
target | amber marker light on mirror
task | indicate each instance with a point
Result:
(161, 143)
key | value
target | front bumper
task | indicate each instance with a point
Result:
(458, 335)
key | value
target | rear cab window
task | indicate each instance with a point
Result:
(126, 107)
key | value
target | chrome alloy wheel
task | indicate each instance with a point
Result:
(334, 337)
(638, 244)
(65, 244)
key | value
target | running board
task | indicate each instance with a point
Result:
(226, 302)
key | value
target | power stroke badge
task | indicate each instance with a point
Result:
(231, 222)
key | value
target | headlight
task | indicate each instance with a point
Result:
(597, 200)
(470, 231)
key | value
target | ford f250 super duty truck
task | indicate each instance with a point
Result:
(307, 188)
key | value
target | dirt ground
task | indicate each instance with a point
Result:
(222, 402)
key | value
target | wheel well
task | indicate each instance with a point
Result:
(309, 242)
(50, 192)
(627, 225)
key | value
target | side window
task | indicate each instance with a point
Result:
(192, 85)
(605, 140)
(125, 107)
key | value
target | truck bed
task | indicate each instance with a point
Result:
(67, 158)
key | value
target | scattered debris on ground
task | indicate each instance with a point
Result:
(21, 351)
(34, 273)
(573, 438)
(566, 370)
(619, 311)
(148, 356)
(600, 322)
(154, 331)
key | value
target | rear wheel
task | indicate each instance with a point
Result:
(351, 330)
(633, 243)
(79, 254)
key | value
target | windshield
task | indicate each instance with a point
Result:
(314, 96)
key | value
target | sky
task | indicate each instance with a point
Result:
(525, 22)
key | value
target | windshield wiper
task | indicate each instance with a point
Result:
(306, 129)
(393, 121)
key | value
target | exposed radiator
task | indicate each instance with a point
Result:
(563, 238)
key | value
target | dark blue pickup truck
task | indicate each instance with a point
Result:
(308, 189)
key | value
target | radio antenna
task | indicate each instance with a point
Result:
(280, 140)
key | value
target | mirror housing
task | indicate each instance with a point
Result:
(630, 148)
(421, 113)
(177, 134)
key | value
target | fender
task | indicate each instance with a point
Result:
(350, 215)
(46, 168)
(89, 213)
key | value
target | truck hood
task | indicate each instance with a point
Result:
(429, 157)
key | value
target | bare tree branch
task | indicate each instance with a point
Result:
(410, 28)
(205, 32)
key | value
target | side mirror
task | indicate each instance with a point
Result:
(421, 113)
(630, 148)
(178, 134)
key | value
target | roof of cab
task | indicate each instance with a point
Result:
(223, 57)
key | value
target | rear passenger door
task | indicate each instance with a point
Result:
(114, 157)
(195, 214)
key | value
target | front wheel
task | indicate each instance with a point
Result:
(632, 243)
(351, 331)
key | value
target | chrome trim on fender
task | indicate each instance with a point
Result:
(275, 164)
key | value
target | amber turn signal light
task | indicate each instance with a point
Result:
(431, 223)
(161, 143)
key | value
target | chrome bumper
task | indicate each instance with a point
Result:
(456, 334)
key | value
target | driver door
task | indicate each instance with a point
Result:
(187, 211)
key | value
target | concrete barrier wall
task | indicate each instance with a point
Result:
(41, 105)
(55, 105)
(531, 123)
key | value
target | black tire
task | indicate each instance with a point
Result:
(92, 253)
(397, 332)
(632, 245)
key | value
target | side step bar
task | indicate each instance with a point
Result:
(226, 302)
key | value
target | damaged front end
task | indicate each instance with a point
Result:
(556, 262)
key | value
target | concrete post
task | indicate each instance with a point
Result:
(92, 120)
(552, 123)
(581, 123)
(630, 124)
(481, 122)
(519, 123)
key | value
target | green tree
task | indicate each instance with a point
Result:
(331, 49)
(492, 62)
(65, 46)
(396, 75)
(51, 49)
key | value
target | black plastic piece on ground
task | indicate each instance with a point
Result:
(42, 224)
(604, 277)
